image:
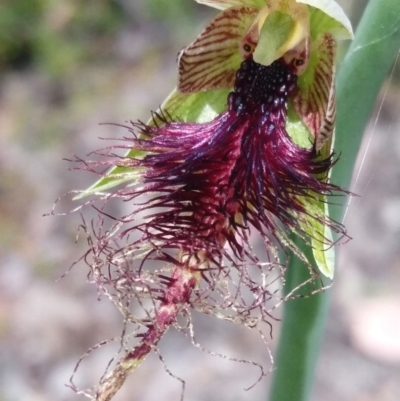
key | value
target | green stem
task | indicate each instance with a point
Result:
(300, 340)
(360, 78)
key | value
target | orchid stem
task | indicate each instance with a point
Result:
(360, 78)
(302, 332)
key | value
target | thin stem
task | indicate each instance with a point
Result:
(302, 331)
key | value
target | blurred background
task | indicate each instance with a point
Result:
(65, 67)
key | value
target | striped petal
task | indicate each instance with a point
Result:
(224, 4)
(315, 100)
(212, 60)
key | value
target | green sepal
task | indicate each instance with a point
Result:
(198, 107)
(211, 61)
(314, 223)
(317, 227)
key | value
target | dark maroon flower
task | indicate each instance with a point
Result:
(200, 190)
(212, 181)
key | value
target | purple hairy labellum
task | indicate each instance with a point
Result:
(200, 188)
(214, 180)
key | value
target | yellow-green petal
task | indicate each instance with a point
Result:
(212, 60)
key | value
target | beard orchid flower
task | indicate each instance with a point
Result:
(244, 144)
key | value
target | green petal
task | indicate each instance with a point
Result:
(196, 107)
(212, 60)
(224, 4)
(328, 16)
(315, 100)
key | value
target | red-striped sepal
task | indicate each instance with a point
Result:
(212, 60)
(315, 100)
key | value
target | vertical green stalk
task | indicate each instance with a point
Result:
(300, 339)
(360, 77)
